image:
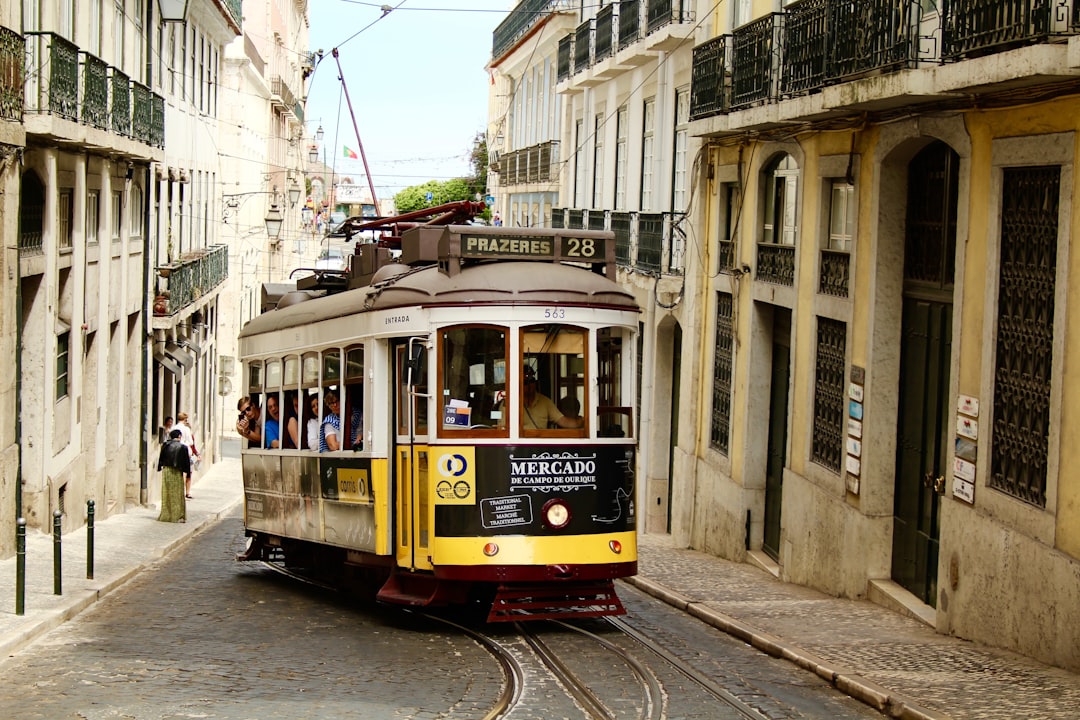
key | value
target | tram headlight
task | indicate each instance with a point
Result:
(616, 547)
(556, 514)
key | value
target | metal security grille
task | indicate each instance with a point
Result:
(827, 448)
(1025, 322)
(722, 362)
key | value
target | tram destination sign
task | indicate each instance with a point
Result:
(567, 247)
(582, 247)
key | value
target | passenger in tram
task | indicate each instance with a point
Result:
(570, 407)
(330, 429)
(290, 439)
(273, 423)
(248, 423)
(311, 422)
(538, 412)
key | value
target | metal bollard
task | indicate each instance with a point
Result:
(20, 566)
(89, 539)
(56, 552)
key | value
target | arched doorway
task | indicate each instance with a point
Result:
(922, 431)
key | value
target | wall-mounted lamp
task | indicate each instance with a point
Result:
(313, 153)
(273, 221)
(173, 10)
(294, 191)
(319, 134)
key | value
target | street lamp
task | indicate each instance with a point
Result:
(173, 10)
(273, 221)
(294, 192)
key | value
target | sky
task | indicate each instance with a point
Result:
(417, 84)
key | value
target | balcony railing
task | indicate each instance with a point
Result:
(651, 243)
(521, 19)
(98, 96)
(973, 26)
(53, 84)
(707, 90)
(582, 46)
(564, 61)
(530, 165)
(621, 222)
(605, 33)
(121, 103)
(281, 89)
(95, 92)
(629, 22)
(754, 62)
(834, 273)
(193, 277)
(236, 9)
(12, 72)
(816, 43)
(142, 112)
(776, 263)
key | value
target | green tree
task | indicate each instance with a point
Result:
(414, 197)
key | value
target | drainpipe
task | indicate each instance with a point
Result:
(18, 359)
(148, 301)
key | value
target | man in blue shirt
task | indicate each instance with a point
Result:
(272, 434)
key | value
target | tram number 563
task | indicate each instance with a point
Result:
(581, 247)
(555, 313)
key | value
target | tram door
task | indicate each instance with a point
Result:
(413, 511)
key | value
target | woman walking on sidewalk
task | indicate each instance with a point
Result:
(175, 463)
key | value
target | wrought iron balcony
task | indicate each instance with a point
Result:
(98, 96)
(708, 95)
(651, 243)
(236, 9)
(195, 275)
(142, 112)
(776, 264)
(121, 103)
(281, 89)
(726, 254)
(582, 46)
(629, 22)
(564, 60)
(621, 223)
(971, 27)
(754, 49)
(871, 35)
(54, 88)
(834, 273)
(522, 19)
(605, 29)
(12, 59)
(530, 165)
(95, 108)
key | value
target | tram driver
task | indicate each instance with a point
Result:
(538, 412)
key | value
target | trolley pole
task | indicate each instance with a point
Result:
(20, 566)
(89, 539)
(57, 515)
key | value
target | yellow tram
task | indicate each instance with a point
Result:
(474, 404)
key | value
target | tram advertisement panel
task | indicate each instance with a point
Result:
(501, 490)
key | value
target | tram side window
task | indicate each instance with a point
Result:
(473, 379)
(615, 417)
(290, 406)
(553, 372)
(353, 411)
(312, 410)
(330, 423)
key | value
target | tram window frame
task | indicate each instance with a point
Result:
(419, 397)
(482, 388)
(612, 378)
(538, 346)
(330, 380)
(353, 386)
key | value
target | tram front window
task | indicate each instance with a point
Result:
(553, 387)
(473, 379)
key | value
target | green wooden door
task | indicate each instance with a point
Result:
(778, 422)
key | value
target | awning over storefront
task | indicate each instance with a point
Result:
(167, 363)
(184, 357)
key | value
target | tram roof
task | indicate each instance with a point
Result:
(490, 283)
